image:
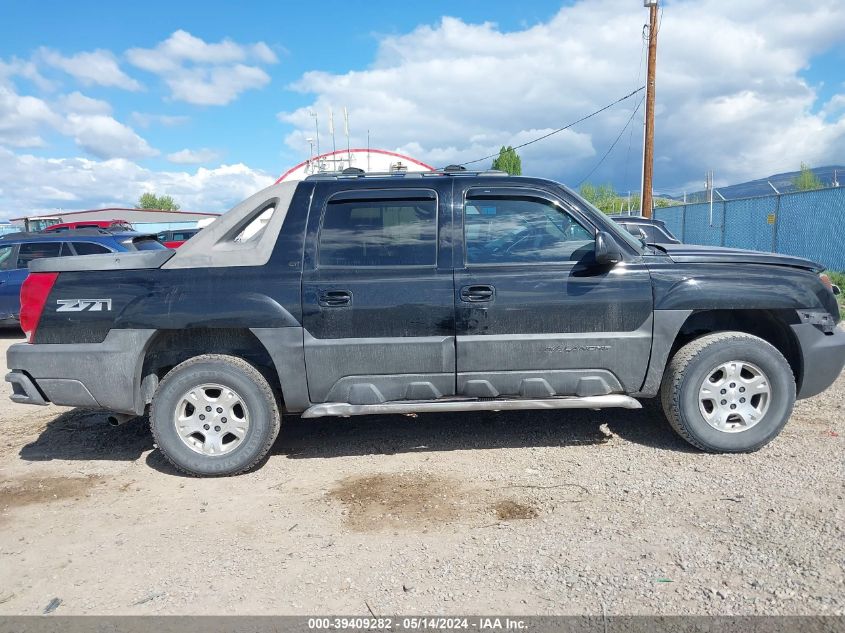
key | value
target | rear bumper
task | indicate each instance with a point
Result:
(102, 375)
(24, 390)
(823, 357)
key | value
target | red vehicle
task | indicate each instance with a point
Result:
(175, 239)
(118, 225)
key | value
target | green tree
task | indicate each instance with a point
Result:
(509, 161)
(604, 197)
(806, 180)
(152, 201)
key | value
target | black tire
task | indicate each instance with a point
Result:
(687, 371)
(258, 400)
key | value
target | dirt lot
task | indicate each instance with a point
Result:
(537, 512)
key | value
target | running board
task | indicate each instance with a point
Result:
(345, 409)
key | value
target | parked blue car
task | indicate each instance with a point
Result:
(18, 249)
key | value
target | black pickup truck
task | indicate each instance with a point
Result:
(352, 294)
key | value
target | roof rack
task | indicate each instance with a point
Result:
(451, 170)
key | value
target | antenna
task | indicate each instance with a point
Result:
(368, 150)
(331, 131)
(316, 128)
(346, 131)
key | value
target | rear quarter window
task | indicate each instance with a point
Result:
(89, 248)
(147, 244)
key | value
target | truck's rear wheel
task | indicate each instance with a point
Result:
(728, 392)
(214, 415)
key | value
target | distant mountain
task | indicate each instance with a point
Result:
(760, 187)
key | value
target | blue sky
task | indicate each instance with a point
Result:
(209, 101)
(303, 40)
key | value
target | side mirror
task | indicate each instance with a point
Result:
(607, 251)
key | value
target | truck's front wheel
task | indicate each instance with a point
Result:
(214, 415)
(728, 392)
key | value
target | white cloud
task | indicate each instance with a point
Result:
(23, 68)
(205, 73)
(45, 184)
(215, 86)
(145, 119)
(82, 104)
(193, 156)
(22, 118)
(104, 137)
(25, 120)
(729, 91)
(99, 67)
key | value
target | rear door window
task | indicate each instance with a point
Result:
(37, 250)
(382, 230)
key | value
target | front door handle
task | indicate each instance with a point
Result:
(477, 294)
(335, 298)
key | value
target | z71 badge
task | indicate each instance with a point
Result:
(83, 305)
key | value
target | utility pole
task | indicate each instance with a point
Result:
(648, 150)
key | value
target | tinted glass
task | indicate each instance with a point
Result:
(89, 248)
(511, 229)
(6, 260)
(635, 229)
(380, 232)
(162, 237)
(659, 235)
(147, 244)
(183, 236)
(36, 250)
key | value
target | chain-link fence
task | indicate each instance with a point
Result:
(808, 224)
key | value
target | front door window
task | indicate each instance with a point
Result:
(521, 230)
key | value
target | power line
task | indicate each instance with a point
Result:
(612, 145)
(565, 127)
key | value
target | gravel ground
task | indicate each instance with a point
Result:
(521, 513)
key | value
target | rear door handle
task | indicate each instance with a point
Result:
(477, 294)
(335, 298)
